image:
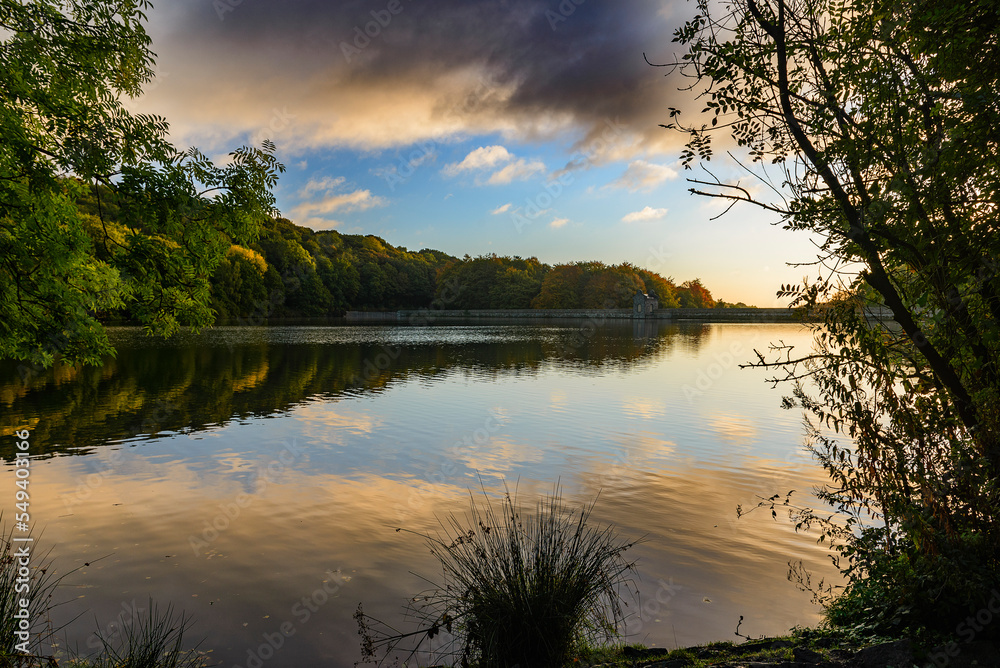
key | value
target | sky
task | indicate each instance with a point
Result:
(515, 127)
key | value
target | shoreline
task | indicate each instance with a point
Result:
(806, 648)
(765, 315)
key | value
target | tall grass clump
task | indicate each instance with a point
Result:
(526, 589)
(151, 640)
(37, 587)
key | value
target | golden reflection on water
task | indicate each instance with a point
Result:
(239, 563)
(244, 520)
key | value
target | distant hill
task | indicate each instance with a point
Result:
(293, 271)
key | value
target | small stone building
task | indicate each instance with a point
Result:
(644, 305)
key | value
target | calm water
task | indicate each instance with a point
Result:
(307, 446)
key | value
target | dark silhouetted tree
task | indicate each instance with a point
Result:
(879, 123)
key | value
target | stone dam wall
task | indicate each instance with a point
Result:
(672, 314)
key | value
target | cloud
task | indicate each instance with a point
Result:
(359, 200)
(501, 209)
(648, 213)
(482, 158)
(314, 211)
(559, 222)
(438, 72)
(487, 157)
(314, 185)
(516, 171)
(642, 175)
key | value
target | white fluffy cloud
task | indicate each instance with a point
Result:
(516, 171)
(320, 199)
(483, 157)
(648, 213)
(501, 209)
(487, 158)
(559, 222)
(315, 185)
(642, 175)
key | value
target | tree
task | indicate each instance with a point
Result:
(238, 283)
(611, 287)
(343, 281)
(692, 294)
(880, 121)
(517, 284)
(561, 287)
(172, 215)
(492, 282)
(663, 288)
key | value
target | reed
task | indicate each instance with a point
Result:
(151, 640)
(37, 587)
(528, 589)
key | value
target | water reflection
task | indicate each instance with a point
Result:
(277, 463)
(195, 382)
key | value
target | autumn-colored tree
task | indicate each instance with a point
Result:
(611, 287)
(692, 294)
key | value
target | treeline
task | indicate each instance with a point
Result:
(493, 281)
(293, 271)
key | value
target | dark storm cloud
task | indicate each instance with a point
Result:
(534, 69)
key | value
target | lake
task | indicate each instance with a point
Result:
(254, 477)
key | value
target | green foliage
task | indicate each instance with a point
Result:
(491, 281)
(594, 285)
(663, 288)
(562, 287)
(63, 68)
(881, 121)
